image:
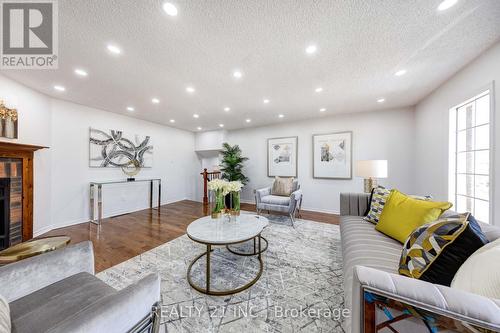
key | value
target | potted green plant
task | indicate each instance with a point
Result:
(231, 167)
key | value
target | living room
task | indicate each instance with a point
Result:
(257, 166)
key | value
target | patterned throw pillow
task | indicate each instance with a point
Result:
(379, 196)
(435, 251)
(282, 186)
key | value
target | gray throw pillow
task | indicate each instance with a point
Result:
(5, 325)
(282, 186)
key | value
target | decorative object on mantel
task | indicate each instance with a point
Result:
(282, 157)
(8, 121)
(332, 155)
(113, 149)
(219, 189)
(370, 170)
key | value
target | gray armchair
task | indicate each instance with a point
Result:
(58, 292)
(264, 200)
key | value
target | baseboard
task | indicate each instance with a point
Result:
(51, 227)
(308, 208)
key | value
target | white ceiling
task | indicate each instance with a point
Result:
(361, 44)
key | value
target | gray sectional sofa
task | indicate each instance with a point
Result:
(371, 262)
(58, 292)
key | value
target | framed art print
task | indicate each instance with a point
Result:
(282, 157)
(332, 155)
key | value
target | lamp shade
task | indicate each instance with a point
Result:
(371, 169)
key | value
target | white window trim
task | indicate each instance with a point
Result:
(452, 139)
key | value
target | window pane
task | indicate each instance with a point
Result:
(482, 187)
(465, 185)
(482, 210)
(465, 116)
(483, 137)
(482, 162)
(483, 110)
(464, 204)
(465, 140)
(465, 162)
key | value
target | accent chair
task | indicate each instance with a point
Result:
(290, 205)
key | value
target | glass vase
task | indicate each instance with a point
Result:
(217, 204)
(235, 202)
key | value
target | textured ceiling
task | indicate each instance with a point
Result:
(361, 44)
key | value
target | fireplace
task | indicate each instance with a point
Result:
(16, 193)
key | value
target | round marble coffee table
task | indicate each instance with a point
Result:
(225, 232)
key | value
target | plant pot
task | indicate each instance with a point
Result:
(217, 204)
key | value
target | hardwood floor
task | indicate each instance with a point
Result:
(123, 237)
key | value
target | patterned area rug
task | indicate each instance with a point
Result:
(300, 289)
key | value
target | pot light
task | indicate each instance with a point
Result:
(221, 125)
(318, 90)
(281, 116)
(130, 108)
(311, 49)
(381, 100)
(248, 120)
(196, 116)
(81, 72)
(237, 74)
(266, 101)
(190, 90)
(322, 110)
(59, 88)
(155, 101)
(446, 4)
(172, 121)
(170, 9)
(227, 109)
(114, 49)
(400, 72)
(199, 128)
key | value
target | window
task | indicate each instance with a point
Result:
(470, 157)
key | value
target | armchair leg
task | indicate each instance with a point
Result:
(292, 219)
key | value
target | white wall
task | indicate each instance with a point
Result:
(62, 172)
(376, 135)
(432, 124)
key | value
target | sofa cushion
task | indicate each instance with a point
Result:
(378, 199)
(403, 214)
(363, 245)
(275, 200)
(41, 310)
(435, 251)
(282, 186)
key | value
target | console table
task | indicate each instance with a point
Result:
(99, 185)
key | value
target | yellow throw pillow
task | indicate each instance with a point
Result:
(403, 214)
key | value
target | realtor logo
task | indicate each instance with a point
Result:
(29, 34)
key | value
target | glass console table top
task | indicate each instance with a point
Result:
(104, 182)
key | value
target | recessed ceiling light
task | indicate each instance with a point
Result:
(237, 74)
(190, 89)
(59, 88)
(196, 115)
(311, 49)
(81, 72)
(400, 72)
(266, 101)
(221, 125)
(130, 108)
(170, 9)
(155, 100)
(281, 116)
(322, 110)
(447, 4)
(381, 100)
(227, 109)
(318, 90)
(248, 120)
(199, 128)
(114, 49)
(172, 121)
